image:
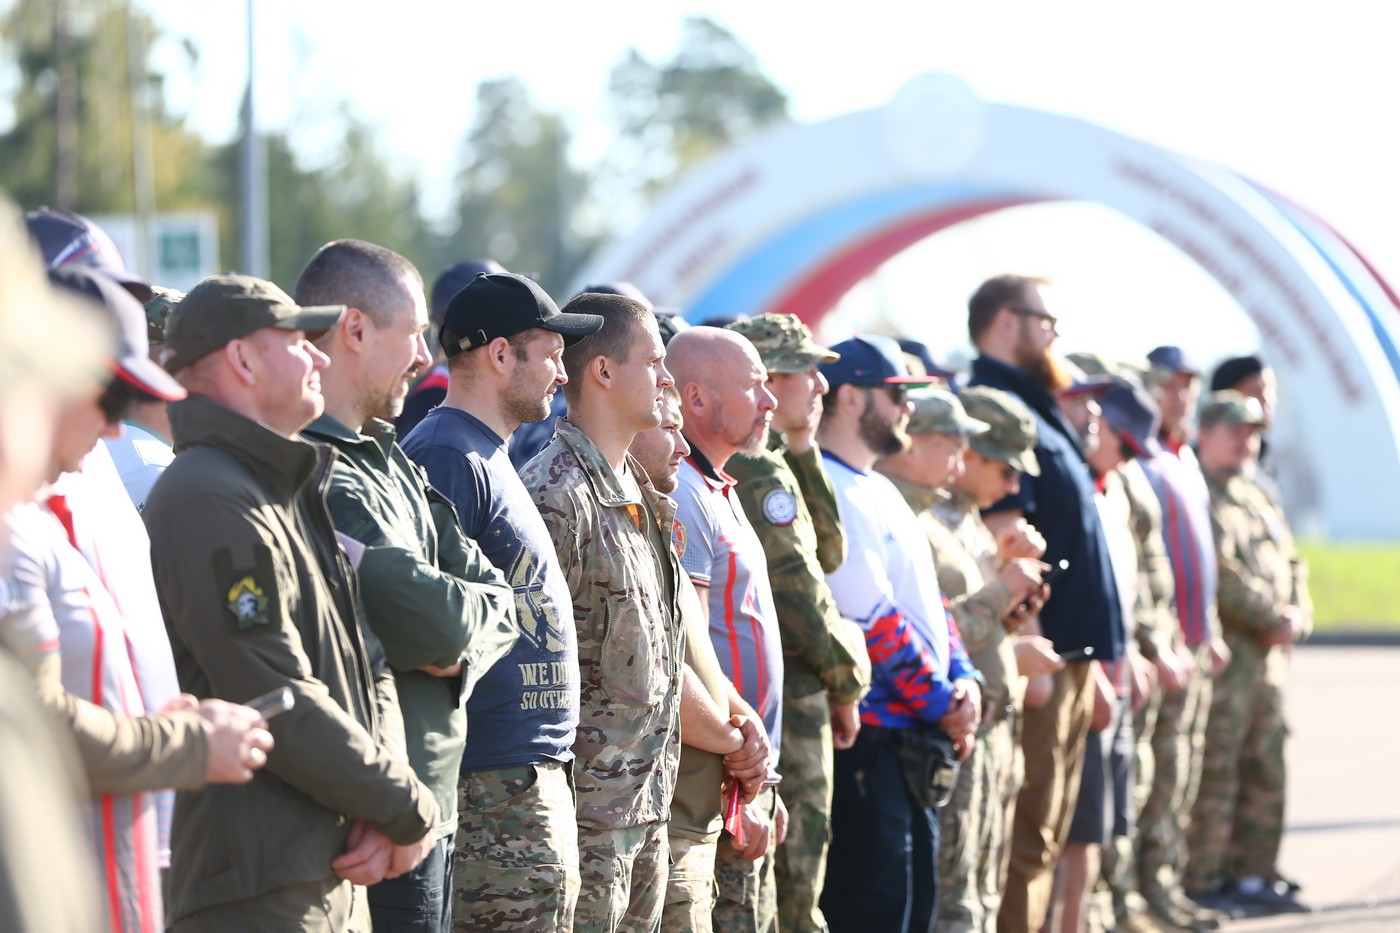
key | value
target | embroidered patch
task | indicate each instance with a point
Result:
(780, 507)
(249, 593)
(248, 603)
(678, 538)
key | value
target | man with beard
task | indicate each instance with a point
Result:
(431, 597)
(826, 669)
(1015, 336)
(1174, 381)
(611, 531)
(726, 408)
(712, 741)
(986, 599)
(517, 865)
(258, 596)
(924, 703)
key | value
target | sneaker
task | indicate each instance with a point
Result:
(1292, 885)
(1268, 901)
(1220, 901)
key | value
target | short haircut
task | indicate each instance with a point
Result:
(356, 273)
(623, 319)
(1235, 370)
(459, 364)
(993, 295)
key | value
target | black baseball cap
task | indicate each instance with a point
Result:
(132, 357)
(66, 238)
(455, 278)
(499, 304)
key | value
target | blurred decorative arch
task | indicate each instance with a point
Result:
(791, 220)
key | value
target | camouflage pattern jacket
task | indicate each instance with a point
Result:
(965, 553)
(1155, 619)
(615, 549)
(1260, 571)
(792, 507)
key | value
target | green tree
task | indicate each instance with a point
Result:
(671, 115)
(518, 193)
(70, 133)
(357, 195)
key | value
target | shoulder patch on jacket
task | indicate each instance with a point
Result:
(249, 593)
(780, 507)
(678, 538)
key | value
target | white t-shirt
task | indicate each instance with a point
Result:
(140, 457)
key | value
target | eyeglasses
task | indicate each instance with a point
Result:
(1009, 472)
(1050, 319)
(900, 394)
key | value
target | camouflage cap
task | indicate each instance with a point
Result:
(158, 310)
(784, 343)
(1233, 408)
(940, 412)
(1011, 434)
(230, 306)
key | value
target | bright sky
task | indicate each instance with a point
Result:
(1294, 95)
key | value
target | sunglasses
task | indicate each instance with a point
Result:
(900, 394)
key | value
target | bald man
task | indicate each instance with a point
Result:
(726, 408)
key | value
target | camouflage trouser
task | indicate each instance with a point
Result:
(690, 887)
(1178, 740)
(1237, 823)
(807, 783)
(517, 850)
(972, 849)
(623, 873)
(747, 899)
(1118, 859)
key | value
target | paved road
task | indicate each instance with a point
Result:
(1343, 820)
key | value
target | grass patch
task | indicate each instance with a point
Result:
(1355, 587)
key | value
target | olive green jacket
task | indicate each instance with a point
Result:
(257, 595)
(431, 597)
(790, 504)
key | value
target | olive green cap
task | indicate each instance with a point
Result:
(1096, 364)
(229, 306)
(940, 412)
(1011, 434)
(158, 310)
(784, 343)
(1230, 407)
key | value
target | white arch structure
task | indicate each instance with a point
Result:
(794, 218)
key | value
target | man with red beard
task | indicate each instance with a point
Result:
(1015, 336)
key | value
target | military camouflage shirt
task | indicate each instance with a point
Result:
(965, 555)
(1257, 559)
(1155, 619)
(778, 491)
(612, 535)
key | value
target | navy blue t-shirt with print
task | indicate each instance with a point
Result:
(1084, 610)
(525, 709)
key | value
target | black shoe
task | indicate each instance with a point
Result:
(1221, 901)
(1268, 901)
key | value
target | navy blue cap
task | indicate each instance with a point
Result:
(65, 237)
(1173, 359)
(870, 360)
(1130, 412)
